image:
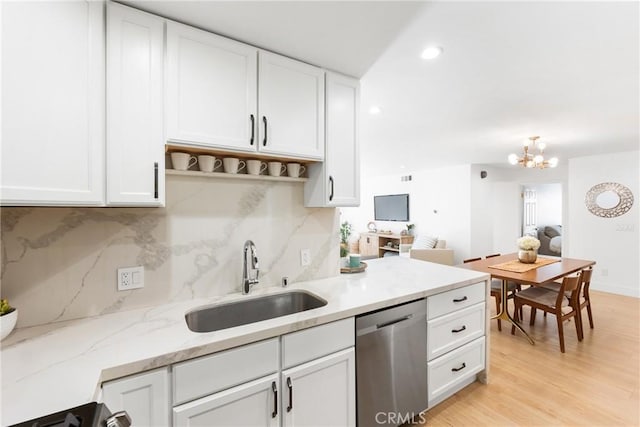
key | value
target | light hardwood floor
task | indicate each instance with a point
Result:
(595, 383)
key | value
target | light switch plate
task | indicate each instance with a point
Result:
(305, 257)
(130, 278)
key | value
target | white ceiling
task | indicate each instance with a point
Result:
(567, 71)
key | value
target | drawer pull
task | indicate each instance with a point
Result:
(464, 365)
(455, 331)
(264, 141)
(253, 129)
(155, 180)
(275, 399)
(464, 298)
(290, 386)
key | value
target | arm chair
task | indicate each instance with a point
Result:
(553, 302)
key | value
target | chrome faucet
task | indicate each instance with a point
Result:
(247, 281)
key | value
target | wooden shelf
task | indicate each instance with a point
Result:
(234, 176)
(244, 155)
(387, 248)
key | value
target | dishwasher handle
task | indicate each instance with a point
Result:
(393, 322)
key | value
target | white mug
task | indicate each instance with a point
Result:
(255, 167)
(182, 161)
(295, 169)
(276, 168)
(208, 163)
(233, 165)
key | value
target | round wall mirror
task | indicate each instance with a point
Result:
(609, 200)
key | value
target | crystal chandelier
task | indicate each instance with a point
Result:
(531, 160)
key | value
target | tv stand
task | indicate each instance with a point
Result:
(377, 244)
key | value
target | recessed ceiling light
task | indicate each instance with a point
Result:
(374, 110)
(431, 52)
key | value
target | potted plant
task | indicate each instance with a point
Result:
(345, 233)
(8, 318)
(410, 229)
(528, 249)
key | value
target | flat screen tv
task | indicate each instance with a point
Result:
(394, 207)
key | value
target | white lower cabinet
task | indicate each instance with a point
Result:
(456, 342)
(251, 404)
(321, 392)
(305, 378)
(145, 397)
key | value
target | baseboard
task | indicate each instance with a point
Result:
(613, 289)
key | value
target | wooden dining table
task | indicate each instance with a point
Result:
(536, 277)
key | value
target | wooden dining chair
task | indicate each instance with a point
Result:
(554, 302)
(496, 291)
(584, 298)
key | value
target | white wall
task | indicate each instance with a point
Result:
(60, 263)
(617, 253)
(439, 205)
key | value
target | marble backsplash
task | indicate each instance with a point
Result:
(60, 263)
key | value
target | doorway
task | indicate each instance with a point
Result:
(542, 216)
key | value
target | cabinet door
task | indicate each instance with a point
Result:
(251, 404)
(342, 153)
(369, 245)
(321, 392)
(336, 181)
(135, 146)
(211, 89)
(52, 103)
(291, 107)
(145, 397)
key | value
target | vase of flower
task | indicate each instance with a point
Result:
(528, 249)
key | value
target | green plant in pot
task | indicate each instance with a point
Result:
(8, 316)
(345, 233)
(410, 229)
(5, 308)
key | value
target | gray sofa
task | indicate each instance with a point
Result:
(550, 237)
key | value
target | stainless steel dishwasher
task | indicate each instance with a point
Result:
(391, 364)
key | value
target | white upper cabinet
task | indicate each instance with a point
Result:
(135, 143)
(211, 89)
(291, 107)
(219, 96)
(52, 103)
(336, 182)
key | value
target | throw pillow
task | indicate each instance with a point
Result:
(424, 242)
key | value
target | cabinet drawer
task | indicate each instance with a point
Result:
(455, 329)
(209, 374)
(455, 299)
(303, 346)
(448, 371)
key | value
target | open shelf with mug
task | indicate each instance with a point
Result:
(233, 164)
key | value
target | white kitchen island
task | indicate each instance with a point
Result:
(60, 365)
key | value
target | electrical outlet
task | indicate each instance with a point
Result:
(130, 278)
(305, 257)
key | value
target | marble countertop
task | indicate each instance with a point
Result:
(53, 367)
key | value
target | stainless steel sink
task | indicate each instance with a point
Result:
(227, 315)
